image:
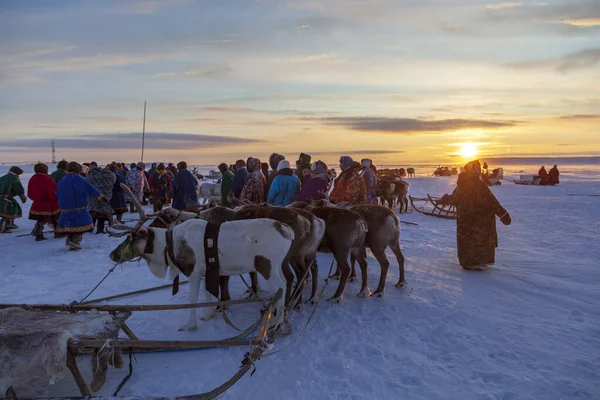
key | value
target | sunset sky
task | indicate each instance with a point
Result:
(397, 81)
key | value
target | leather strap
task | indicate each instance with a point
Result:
(211, 255)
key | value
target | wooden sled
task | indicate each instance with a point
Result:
(433, 207)
(261, 341)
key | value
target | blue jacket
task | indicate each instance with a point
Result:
(284, 189)
(238, 181)
(184, 187)
(72, 192)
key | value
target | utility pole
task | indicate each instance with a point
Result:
(52, 141)
(143, 131)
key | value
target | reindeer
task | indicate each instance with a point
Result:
(258, 245)
(383, 231)
(386, 191)
(307, 233)
(345, 233)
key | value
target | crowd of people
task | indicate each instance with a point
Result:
(78, 198)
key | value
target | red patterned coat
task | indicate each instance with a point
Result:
(41, 190)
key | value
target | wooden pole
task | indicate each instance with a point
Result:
(118, 296)
(143, 131)
(127, 307)
(149, 345)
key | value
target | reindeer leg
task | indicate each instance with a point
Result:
(362, 261)
(300, 270)
(209, 312)
(254, 282)
(289, 280)
(224, 285)
(195, 280)
(400, 257)
(314, 272)
(353, 278)
(341, 257)
(385, 266)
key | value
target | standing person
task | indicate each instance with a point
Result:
(73, 192)
(274, 160)
(239, 179)
(136, 181)
(117, 201)
(44, 209)
(10, 187)
(264, 167)
(349, 185)
(285, 186)
(476, 210)
(103, 180)
(316, 184)
(225, 183)
(303, 166)
(160, 185)
(184, 187)
(146, 188)
(254, 188)
(61, 171)
(553, 176)
(543, 175)
(370, 180)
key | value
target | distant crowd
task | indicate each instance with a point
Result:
(78, 198)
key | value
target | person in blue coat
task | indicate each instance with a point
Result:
(117, 201)
(184, 187)
(72, 193)
(285, 186)
(239, 179)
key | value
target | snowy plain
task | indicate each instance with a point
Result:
(527, 328)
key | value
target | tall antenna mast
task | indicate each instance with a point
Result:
(143, 131)
(53, 151)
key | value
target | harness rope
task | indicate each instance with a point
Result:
(312, 314)
(96, 287)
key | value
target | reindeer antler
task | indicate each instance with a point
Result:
(143, 217)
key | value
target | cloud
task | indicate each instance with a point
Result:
(585, 22)
(307, 59)
(123, 141)
(497, 6)
(571, 12)
(579, 117)
(411, 125)
(582, 59)
(201, 72)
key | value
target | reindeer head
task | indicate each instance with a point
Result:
(137, 236)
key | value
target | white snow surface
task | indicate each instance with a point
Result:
(527, 328)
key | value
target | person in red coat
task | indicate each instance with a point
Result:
(45, 209)
(553, 176)
(544, 179)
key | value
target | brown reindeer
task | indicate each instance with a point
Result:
(384, 231)
(386, 191)
(345, 232)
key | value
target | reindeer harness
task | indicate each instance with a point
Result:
(211, 256)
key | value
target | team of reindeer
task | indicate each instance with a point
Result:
(278, 243)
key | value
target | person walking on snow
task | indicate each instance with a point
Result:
(61, 171)
(11, 187)
(476, 211)
(553, 176)
(44, 209)
(103, 180)
(73, 194)
(239, 179)
(285, 186)
(225, 183)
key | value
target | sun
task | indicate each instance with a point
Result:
(468, 150)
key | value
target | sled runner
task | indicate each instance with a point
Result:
(432, 206)
(40, 343)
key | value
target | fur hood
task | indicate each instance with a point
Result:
(274, 160)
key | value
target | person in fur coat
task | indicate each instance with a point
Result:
(103, 180)
(254, 188)
(117, 201)
(349, 186)
(285, 186)
(370, 180)
(136, 181)
(316, 184)
(44, 209)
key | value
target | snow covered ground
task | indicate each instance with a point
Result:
(528, 328)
